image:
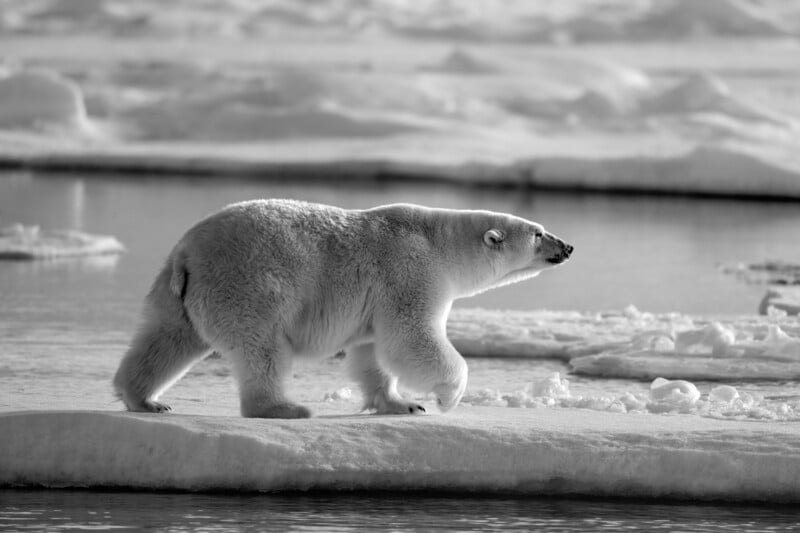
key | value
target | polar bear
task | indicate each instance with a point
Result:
(265, 280)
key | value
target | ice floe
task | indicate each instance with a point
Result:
(534, 451)
(30, 242)
(632, 344)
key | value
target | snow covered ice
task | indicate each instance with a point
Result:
(528, 452)
(549, 437)
(30, 242)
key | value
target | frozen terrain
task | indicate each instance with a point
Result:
(654, 95)
(534, 452)
(523, 426)
(21, 242)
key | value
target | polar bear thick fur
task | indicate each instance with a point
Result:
(266, 280)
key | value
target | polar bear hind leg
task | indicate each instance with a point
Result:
(163, 350)
(261, 369)
(378, 388)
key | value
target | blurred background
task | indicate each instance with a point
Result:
(657, 136)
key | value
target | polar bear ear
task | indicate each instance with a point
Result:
(493, 237)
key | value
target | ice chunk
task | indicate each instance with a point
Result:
(715, 336)
(532, 451)
(345, 393)
(650, 365)
(29, 242)
(723, 393)
(552, 386)
(676, 392)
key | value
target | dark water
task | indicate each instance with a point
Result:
(658, 254)
(70, 510)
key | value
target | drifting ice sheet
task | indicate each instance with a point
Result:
(553, 452)
(29, 242)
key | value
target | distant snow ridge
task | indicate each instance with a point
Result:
(29, 242)
(681, 18)
(41, 100)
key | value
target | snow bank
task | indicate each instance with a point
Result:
(29, 242)
(537, 452)
(679, 117)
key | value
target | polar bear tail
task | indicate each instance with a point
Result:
(180, 276)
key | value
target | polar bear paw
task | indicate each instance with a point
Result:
(383, 403)
(156, 407)
(399, 407)
(449, 394)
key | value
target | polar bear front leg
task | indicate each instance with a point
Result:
(378, 388)
(261, 371)
(417, 351)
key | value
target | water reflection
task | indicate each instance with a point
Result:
(61, 510)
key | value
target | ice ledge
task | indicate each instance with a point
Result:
(553, 452)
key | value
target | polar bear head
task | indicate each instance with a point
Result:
(486, 250)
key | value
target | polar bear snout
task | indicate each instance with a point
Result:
(557, 251)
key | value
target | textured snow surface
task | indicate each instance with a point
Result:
(471, 450)
(636, 344)
(662, 95)
(30, 242)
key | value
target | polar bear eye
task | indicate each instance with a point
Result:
(493, 237)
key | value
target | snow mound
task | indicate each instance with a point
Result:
(686, 18)
(40, 100)
(706, 93)
(473, 450)
(29, 242)
(462, 62)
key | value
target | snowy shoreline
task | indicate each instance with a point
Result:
(487, 450)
